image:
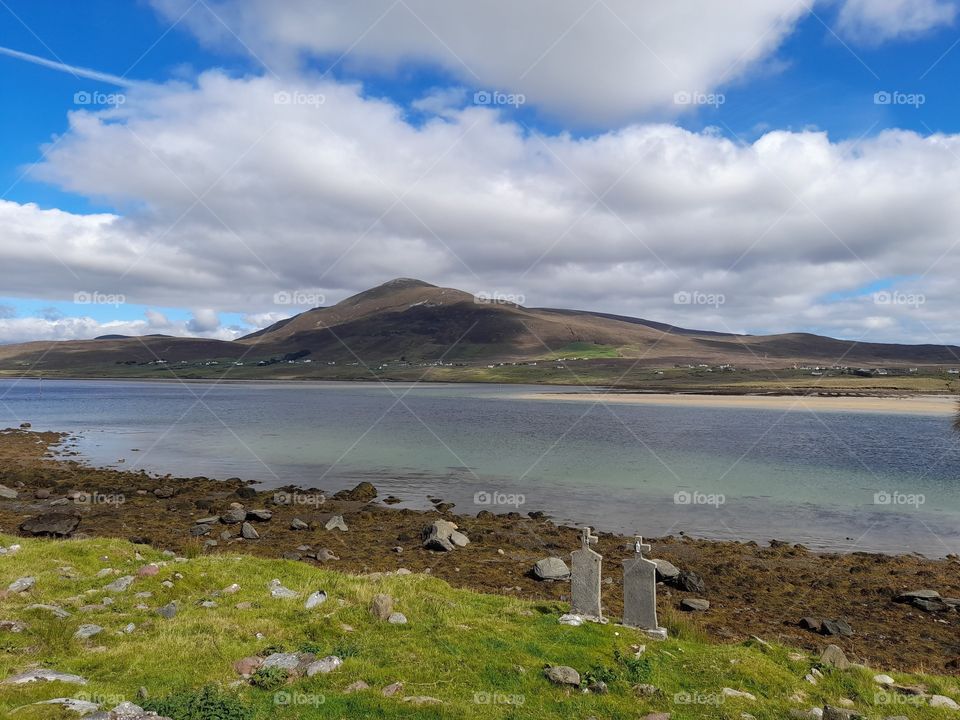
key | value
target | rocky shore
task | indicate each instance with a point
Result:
(897, 612)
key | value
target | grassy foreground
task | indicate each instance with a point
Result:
(482, 656)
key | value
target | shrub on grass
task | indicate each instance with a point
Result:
(271, 678)
(208, 703)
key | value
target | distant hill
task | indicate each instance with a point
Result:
(414, 321)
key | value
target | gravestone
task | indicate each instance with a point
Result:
(640, 592)
(585, 578)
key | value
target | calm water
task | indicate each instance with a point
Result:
(747, 473)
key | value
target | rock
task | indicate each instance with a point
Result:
(259, 515)
(56, 610)
(233, 516)
(57, 523)
(836, 628)
(315, 599)
(42, 493)
(277, 590)
(459, 539)
(883, 680)
(562, 675)
(737, 694)
(392, 689)
(21, 585)
(834, 657)
(298, 524)
(812, 623)
(290, 555)
(571, 619)
(694, 604)
(323, 555)
(918, 595)
(835, 713)
(551, 568)
(336, 523)
(81, 707)
(381, 607)
(690, 582)
(164, 492)
(397, 618)
(200, 530)
(129, 628)
(248, 665)
(285, 661)
(43, 675)
(12, 626)
(942, 701)
(168, 611)
(7, 493)
(148, 570)
(248, 532)
(666, 570)
(246, 493)
(231, 589)
(598, 687)
(422, 700)
(85, 632)
(364, 492)
(120, 584)
(646, 690)
(437, 536)
(324, 666)
(356, 687)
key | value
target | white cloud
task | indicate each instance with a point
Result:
(341, 196)
(596, 62)
(876, 21)
(204, 321)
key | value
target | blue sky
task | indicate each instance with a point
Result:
(819, 76)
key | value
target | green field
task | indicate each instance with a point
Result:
(480, 656)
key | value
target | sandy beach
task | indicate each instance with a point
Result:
(902, 405)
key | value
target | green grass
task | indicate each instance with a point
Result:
(481, 655)
(585, 351)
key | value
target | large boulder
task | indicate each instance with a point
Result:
(562, 675)
(57, 523)
(666, 570)
(835, 657)
(551, 568)
(364, 492)
(439, 535)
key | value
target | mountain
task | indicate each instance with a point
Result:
(413, 321)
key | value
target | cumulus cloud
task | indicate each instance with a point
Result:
(596, 62)
(876, 21)
(239, 197)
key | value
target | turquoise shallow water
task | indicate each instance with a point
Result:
(834, 480)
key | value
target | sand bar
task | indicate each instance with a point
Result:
(898, 405)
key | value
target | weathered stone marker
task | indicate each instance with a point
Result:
(640, 592)
(585, 578)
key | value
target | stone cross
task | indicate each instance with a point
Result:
(585, 578)
(640, 589)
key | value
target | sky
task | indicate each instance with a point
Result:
(208, 167)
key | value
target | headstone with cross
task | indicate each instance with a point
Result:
(640, 591)
(585, 578)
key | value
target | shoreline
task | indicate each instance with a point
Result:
(906, 404)
(775, 585)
